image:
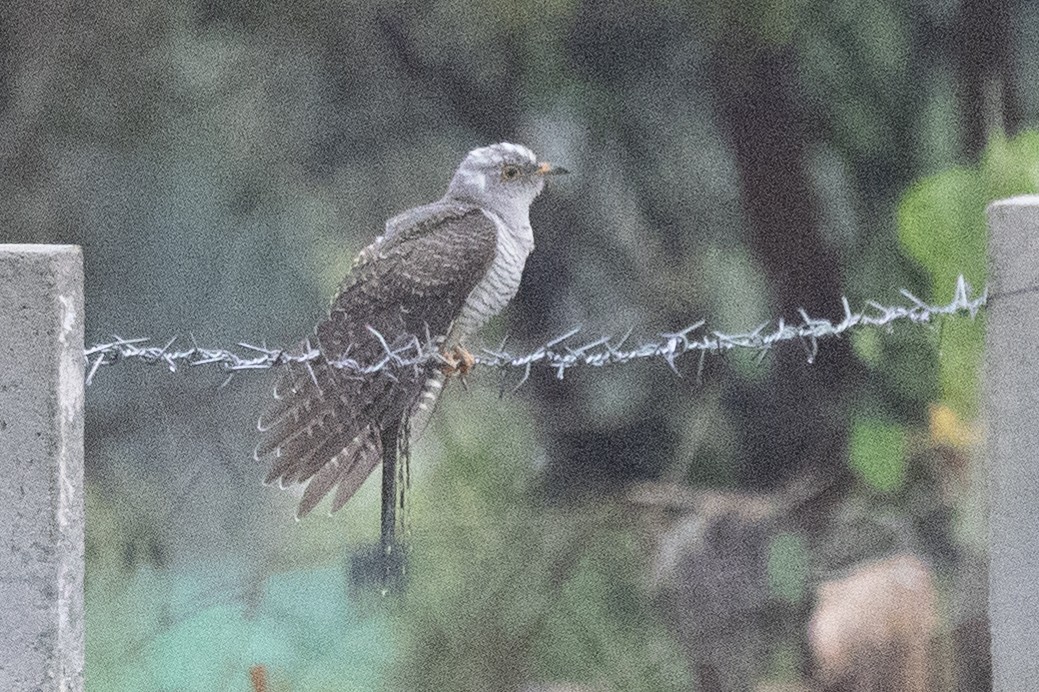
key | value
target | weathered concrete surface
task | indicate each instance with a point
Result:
(41, 467)
(1012, 415)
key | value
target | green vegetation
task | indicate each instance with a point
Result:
(221, 163)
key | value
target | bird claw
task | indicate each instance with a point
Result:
(459, 362)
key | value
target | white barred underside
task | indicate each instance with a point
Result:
(499, 286)
(485, 301)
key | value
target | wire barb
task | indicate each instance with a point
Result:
(558, 354)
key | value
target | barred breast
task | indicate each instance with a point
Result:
(489, 297)
(495, 290)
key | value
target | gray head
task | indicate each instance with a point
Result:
(501, 177)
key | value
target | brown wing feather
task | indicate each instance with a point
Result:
(323, 426)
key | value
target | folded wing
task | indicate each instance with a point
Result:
(325, 423)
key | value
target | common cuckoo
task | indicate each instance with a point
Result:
(438, 272)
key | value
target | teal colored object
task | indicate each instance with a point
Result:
(188, 633)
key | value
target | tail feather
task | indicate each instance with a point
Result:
(367, 458)
(422, 411)
(281, 422)
(348, 469)
(326, 430)
(291, 442)
(308, 459)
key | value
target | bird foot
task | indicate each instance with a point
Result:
(458, 361)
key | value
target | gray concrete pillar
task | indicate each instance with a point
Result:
(1011, 409)
(41, 467)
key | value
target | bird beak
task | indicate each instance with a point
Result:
(546, 168)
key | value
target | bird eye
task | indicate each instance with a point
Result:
(510, 172)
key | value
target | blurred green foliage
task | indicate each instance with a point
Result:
(788, 567)
(941, 223)
(221, 163)
(543, 593)
(878, 452)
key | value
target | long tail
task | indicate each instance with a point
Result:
(308, 436)
(390, 550)
(426, 404)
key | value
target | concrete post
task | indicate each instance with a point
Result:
(41, 467)
(1011, 407)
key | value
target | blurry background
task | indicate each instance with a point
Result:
(624, 528)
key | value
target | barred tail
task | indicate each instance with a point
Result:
(422, 411)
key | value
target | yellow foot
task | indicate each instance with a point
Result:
(458, 361)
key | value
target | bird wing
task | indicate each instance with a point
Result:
(325, 422)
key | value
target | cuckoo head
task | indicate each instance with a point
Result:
(500, 176)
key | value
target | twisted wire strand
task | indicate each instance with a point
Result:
(559, 354)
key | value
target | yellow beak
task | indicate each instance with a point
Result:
(546, 168)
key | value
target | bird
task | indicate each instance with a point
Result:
(436, 275)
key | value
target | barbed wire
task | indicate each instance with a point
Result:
(558, 354)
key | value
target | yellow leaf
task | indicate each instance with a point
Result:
(947, 428)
